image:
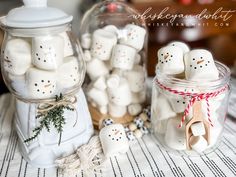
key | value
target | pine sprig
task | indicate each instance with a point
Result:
(53, 117)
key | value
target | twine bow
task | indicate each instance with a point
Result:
(193, 98)
(69, 102)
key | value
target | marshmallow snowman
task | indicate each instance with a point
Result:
(17, 56)
(123, 57)
(182, 45)
(99, 98)
(136, 79)
(68, 73)
(120, 95)
(200, 66)
(170, 60)
(116, 110)
(102, 44)
(111, 28)
(48, 52)
(68, 48)
(135, 36)
(161, 109)
(86, 40)
(41, 84)
(175, 137)
(96, 68)
(113, 139)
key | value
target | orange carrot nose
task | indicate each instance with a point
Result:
(166, 56)
(198, 62)
(47, 85)
(117, 132)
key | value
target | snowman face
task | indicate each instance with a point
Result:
(102, 44)
(199, 64)
(135, 36)
(170, 60)
(41, 84)
(181, 45)
(120, 95)
(68, 73)
(123, 57)
(114, 140)
(17, 56)
(48, 52)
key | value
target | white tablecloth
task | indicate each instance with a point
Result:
(146, 157)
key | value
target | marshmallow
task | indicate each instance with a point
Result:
(116, 110)
(41, 84)
(120, 95)
(113, 140)
(18, 84)
(111, 28)
(175, 137)
(134, 109)
(136, 79)
(98, 96)
(137, 59)
(87, 56)
(96, 68)
(161, 108)
(68, 73)
(135, 36)
(68, 48)
(107, 122)
(200, 65)
(86, 41)
(123, 57)
(113, 81)
(170, 60)
(100, 83)
(182, 45)
(17, 56)
(130, 135)
(138, 133)
(198, 129)
(47, 52)
(139, 97)
(102, 44)
(139, 122)
(198, 143)
(132, 127)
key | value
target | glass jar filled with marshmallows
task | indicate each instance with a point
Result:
(189, 99)
(114, 42)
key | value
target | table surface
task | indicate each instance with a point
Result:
(145, 158)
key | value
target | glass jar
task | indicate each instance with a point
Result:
(188, 116)
(114, 41)
(43, 67)
(38, 64)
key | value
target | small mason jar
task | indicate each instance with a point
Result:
(187, 116)
(114, 40)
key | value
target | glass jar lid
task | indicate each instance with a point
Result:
(35, 14)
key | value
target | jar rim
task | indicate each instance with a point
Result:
(224, 78)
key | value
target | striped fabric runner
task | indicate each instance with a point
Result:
(146, 157)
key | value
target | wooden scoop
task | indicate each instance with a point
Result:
(197, 117)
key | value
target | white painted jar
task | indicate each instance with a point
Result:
(173, 111)
(40, 60)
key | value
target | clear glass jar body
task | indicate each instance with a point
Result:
(39, 63)
(188, 117)
(115, 48)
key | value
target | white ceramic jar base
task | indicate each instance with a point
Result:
(41, 153)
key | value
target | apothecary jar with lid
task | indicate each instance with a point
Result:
(43, 67)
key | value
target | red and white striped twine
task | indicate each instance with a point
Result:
(194, 97)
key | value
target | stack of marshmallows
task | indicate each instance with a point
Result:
(176, 60)
(115, 69)
(40, 67)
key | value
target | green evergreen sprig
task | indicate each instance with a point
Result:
(54, 116)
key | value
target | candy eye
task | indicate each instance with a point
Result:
(162, 54)
(193, 58)
(201, 57)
